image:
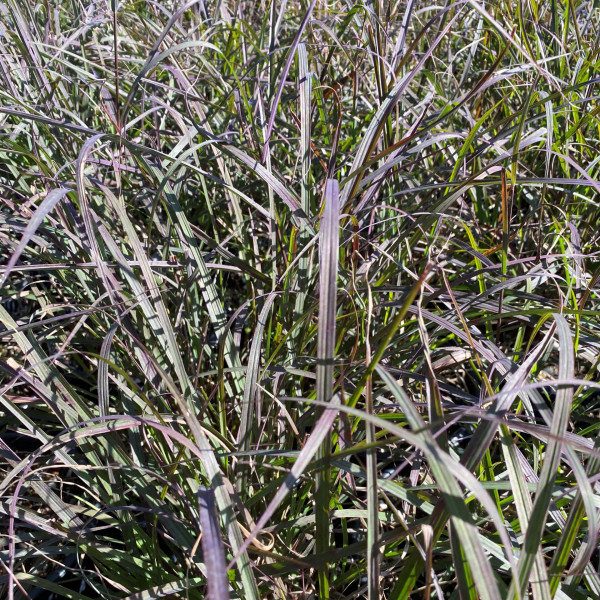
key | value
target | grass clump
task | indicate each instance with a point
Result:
(299, 299)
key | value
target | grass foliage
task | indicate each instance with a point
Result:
(299, 299)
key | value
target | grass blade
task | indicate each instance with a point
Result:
(328, 272)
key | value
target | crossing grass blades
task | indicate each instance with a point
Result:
(299, 299)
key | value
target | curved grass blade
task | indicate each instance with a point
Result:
(459, 513)
(560, 420)
(47, 204)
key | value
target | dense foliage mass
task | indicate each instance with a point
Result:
(299, 299)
